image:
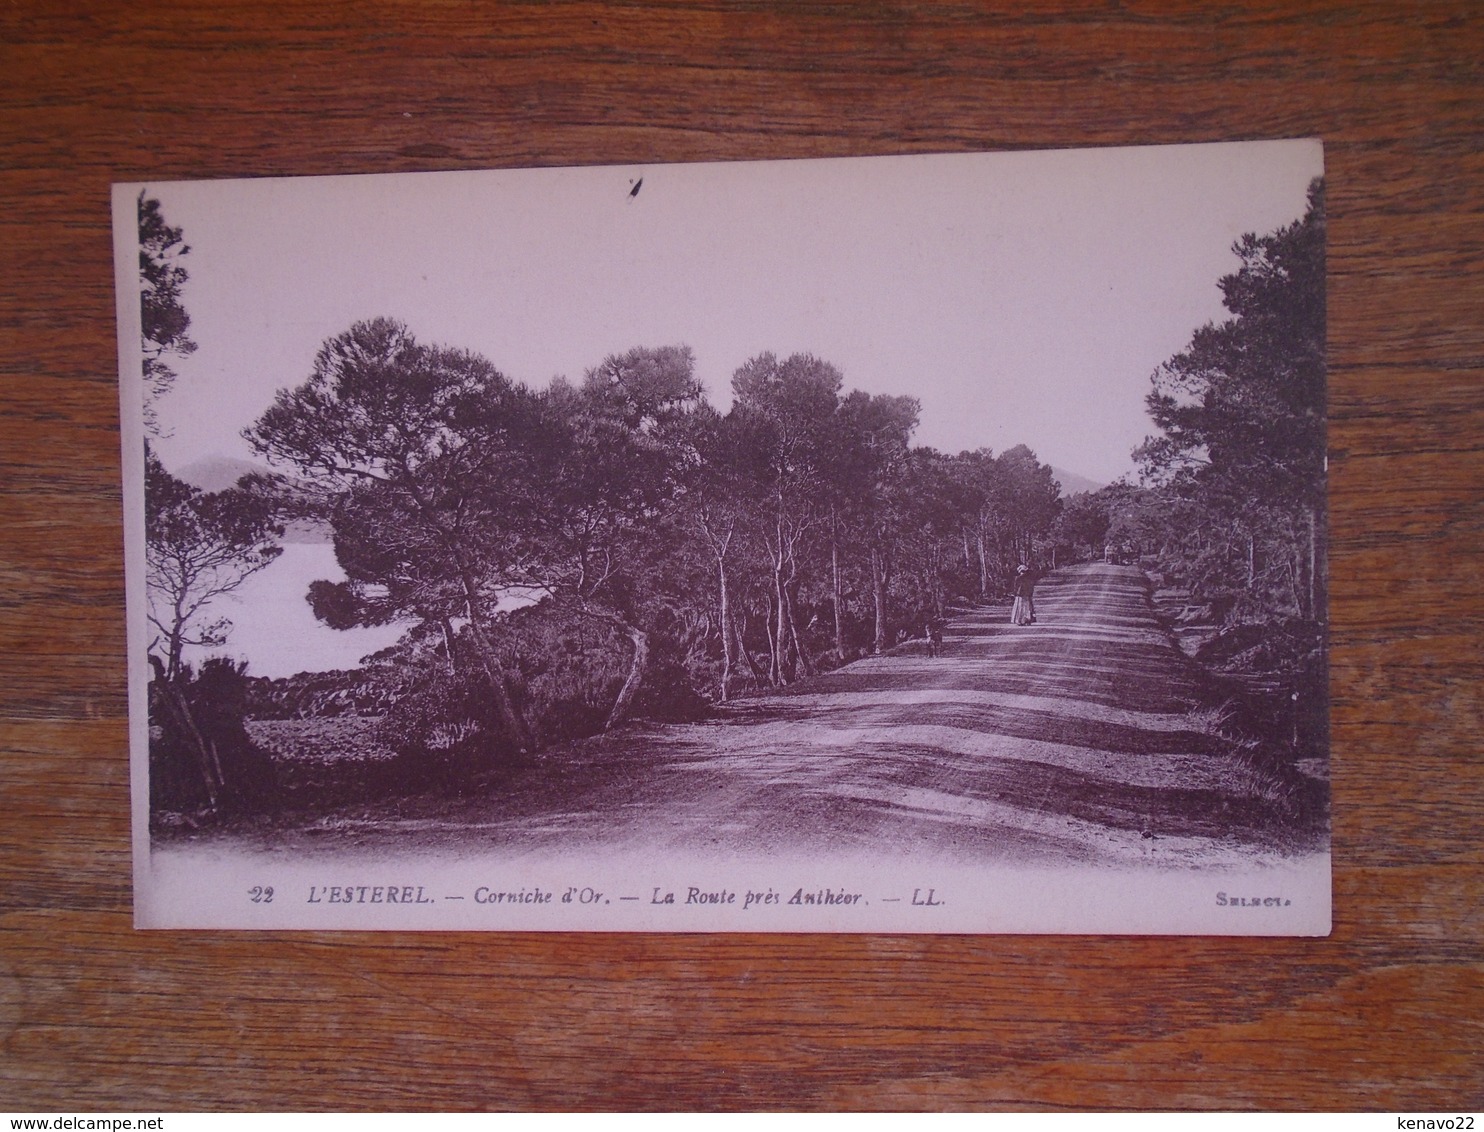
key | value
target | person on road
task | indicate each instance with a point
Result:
(1023, 612)
(935, 636)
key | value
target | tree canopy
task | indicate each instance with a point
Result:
(164, 323)
(198, 547)
(425, 453)
(1242, 441)
(796, 530)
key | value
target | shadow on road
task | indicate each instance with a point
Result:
(1075, 740)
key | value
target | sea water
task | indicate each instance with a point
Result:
(273, 627)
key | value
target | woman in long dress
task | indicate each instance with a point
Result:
(1025, 588)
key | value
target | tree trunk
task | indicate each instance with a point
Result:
(447, 627)
(784, 656)
(726, 630)
(207, 763)
(837, 588)
(758, 674)
(635, 677)
(801, 654)
(516, 727)
(983, 566)
(775, 658)
(879, 581)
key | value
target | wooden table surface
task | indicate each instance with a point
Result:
(1385, 1014)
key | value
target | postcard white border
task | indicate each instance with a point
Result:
(179, 887)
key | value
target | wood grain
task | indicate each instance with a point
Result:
(1385, 1014)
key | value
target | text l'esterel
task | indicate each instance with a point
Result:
(368, 894)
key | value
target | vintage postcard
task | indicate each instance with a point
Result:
(898, 544)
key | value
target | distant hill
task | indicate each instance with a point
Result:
(1073, 484)
(217, 473)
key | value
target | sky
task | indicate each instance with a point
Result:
(1021, 297)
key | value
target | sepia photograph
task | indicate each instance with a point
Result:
(887, 544)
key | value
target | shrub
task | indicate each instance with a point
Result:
(200, 754)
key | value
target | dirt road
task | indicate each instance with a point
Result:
(1074, 740)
